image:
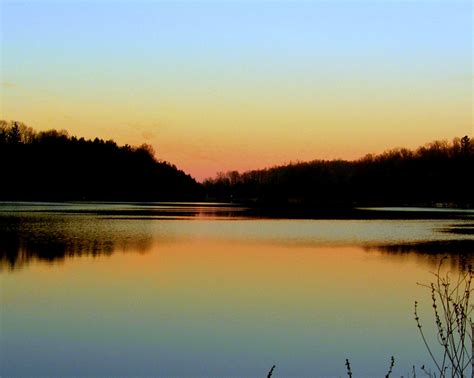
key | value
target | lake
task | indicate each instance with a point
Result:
(207, 290)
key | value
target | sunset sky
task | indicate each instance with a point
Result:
(217, 86)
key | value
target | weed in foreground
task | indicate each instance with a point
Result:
(450, 302)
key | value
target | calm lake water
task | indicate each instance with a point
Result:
(177, 290)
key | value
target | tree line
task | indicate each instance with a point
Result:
(54, 166)
(439, 173)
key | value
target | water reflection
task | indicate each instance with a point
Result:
(460, 252)
(53, 232)
(195, 307)
(212, 295)
(460, 228)
(49, 239)
(132, 210)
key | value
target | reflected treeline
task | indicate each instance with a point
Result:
(439, 173)
(53, 239)
(460, 253)
(462, 229)
(51, 165)
(167, 211)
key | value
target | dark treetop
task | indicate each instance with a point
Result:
(53, 166)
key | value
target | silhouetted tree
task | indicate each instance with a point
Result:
(14, 134)
(465, 144)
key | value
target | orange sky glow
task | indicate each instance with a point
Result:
(241, 86)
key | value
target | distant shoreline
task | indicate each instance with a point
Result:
(54, 166)
(233, 209)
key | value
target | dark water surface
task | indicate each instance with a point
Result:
(208, 290)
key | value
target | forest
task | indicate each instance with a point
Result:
(54, 166)
(440, 173)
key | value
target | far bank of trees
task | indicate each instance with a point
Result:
(52, 165)
(439, 173)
